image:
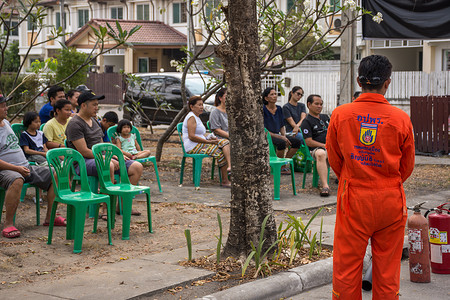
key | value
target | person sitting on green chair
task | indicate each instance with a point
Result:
(32, 140)
(126, 141)
(15, 170)
(314, 129)
(218, 119)
(83, 132)
(195, 141)
(109, 119)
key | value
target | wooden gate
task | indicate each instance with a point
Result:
(109, 84)
(430, 119)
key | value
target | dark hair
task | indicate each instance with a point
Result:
(310, 98)
(53, 91)
(59, 105)
(193, 100)
(111, 116)
(29, 117)
(266, 93)
(219, 95)
(356, 94)
(295, 89)
(122, 123)
(373, 71)
(71, 93)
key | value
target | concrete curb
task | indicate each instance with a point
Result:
(285, 284)
(290, 282)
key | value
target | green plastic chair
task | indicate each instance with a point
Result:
(197, 160)
(275, 165)
(77, 202)
(124, 189)
(309, 161)
(112, 134)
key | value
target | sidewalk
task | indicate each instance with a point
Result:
(146, 275)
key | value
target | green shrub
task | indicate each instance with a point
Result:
(24, 92)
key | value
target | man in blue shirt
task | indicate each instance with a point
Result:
(54, 94)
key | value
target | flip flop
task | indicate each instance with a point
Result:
(59, 221)
(325, 192)
(103, 217)
(11, 232)
(285, 171)
(228, 186)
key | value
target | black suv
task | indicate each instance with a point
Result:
(163, 91)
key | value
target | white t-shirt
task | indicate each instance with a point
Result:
(200, 131)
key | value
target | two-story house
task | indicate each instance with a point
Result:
(164, 29)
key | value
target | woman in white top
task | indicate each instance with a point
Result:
(195, 142)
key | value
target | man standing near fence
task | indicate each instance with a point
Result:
(370, 147)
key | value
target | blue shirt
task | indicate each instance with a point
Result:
(44, 113)
(273, 123)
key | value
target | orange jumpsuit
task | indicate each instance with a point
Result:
(370, 147)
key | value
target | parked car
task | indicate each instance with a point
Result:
(160, 97)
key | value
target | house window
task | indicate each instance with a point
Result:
(143, 12)
(83, 17)
(117, 13)
(58, 20)
(143, 65)
(446, 59)
(335, 5)
(210, 5)
(179, 12)
(13, 29)
(31, 25)
(290, 4)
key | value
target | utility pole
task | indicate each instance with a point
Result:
(347, 84)
(62, 20)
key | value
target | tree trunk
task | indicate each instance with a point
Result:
(251, 194)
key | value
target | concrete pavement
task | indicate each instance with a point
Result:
(149, 274)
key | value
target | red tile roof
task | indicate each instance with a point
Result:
(152, 33)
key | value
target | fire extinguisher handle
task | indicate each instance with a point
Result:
(428, 211)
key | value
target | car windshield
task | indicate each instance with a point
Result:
(196, 85)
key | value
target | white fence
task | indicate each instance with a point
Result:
(403, 86)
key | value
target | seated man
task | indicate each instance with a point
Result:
(14, 171)
(314, 128)
(54, 94)
(109, 119)
(83, 132)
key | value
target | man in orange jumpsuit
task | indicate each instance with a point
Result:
(370, 147)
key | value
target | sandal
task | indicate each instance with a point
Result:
(228, 186)
(325, 192)
(285, 171)
(11, 232)
(59, 221)
(103, 217)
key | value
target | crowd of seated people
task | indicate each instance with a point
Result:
(65, 124)
(289, 127)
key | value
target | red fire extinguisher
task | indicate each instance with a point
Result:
(419, 248)
(439, 223)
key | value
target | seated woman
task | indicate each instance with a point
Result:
(274, 123)
(55, 129)
(294, 113)
(218, 119)
(195, 142)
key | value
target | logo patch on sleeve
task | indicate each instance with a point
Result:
(368, 133)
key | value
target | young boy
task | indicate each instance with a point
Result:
(109, 119)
